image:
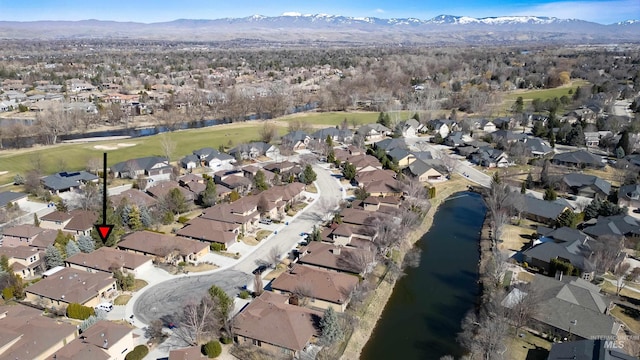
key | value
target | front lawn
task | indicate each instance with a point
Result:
(262, 234)
(122, 300)
(139, 284)
(527, 347)
(629, 316)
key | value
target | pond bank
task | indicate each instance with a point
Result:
(383, 292)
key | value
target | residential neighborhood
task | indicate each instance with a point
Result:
(276, 203)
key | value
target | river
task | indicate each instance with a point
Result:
(423, 315)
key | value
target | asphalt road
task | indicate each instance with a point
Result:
(166, 299)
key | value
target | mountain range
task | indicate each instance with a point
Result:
(309, 28)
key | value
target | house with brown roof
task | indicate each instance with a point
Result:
(379, 183)
(273, 325)
(233, 180)
(243, 212)
(161, 189)
(134, 197)
(375, 203)
(211, 231)
(27, 235)
(76, 222)
(104, 340)
(71, 286)
(108, 259)
(165, 248)
(26, 261)
(336, 258)
(26, 334)
(322, 288)
(190, 353)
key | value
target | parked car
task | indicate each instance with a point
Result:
(265, 221)
(637, 211)
(260, 269)
(104, 307)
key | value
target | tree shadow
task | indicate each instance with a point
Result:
(537, 354)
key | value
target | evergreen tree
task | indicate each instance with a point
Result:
(36, 221)
(523, 187)
(134, 219)
(52, 257)
(529, 182)
(308, 175)
(175, 201)
(86, 244)
(592, 210)
(329, 141)
(544, 174)
(259, 181)
(624, 142)
(550, 194)
(208, 196)
(72, 248)
(518, 106)
(61, 206)
(145, 217)
(125, 210)
(384, 119)
(331, 157)
(349, 171)
(552, 140)
(330, 326)
(567, 218)
(620, 152)
(315, 234)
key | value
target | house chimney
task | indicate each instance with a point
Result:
(336, 251)
(105, 344)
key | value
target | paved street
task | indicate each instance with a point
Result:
(166, 298)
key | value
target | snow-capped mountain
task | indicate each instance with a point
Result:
(300, 28)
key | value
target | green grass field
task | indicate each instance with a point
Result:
(69, 157)
(546, 93)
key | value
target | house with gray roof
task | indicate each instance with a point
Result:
(572, 307)
(617, 225)
(581, 159)
(598, 349)
(409, 128)
(213, 158)
(442, 126)
(628, 195)
(337, 135)
(296, 140)
(390, 144)
(454, 139)
(587, 185)
(490, 157)
(426, 170)
(7, 197)
(540, 210)
(66, 181)
(254, 150)
(402, 157)
(507, 136)
(536, 146)
(146, 166)
(373, 132)
(190, 162)
(575, 252)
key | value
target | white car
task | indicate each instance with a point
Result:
(104, 307)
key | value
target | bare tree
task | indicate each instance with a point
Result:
(168, 146)
(258, 287)
(197, 321)
(449, 162)
(268, 132)
(620, 273)
(274, 256)
(360, 260)
(302, 293)
(524, 305)
(606, 252)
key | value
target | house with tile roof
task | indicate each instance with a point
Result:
(272, 324)
(25, 333)
(580, 159)
(104, 340)
(629, 195)
(317, 288)
(592, 349)
(166, 248)
(147, 166)
(27, 261)
(71, 286)
(108, 259)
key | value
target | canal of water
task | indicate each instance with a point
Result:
(423, 315)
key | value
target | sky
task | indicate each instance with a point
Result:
(149, 11)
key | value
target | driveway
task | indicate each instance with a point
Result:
(165, 298)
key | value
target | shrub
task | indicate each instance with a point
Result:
(212, 349)
(244, 294)
(226, 340)
(217, 246)
(7, 293)
(138, 353)
(183, 219)
(80, 312)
